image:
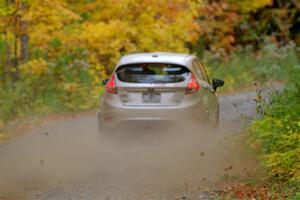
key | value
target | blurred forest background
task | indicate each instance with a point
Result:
(55, 53)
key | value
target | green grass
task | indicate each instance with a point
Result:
(244, 67)
(276, 136)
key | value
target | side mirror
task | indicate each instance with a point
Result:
(216, 83)
(104, 82)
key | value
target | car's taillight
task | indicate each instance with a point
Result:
(193, 85)
(111, 85)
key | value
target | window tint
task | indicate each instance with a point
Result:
(152, 73)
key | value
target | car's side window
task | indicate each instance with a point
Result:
(198, 70)
(203, 70)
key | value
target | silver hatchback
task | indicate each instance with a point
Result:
(150, 87)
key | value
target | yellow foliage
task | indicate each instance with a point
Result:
(36, 67)
(251, 5)
(98, 73)
(110, 28)
(106, 40)
(45, 17)
(70, 87)
(124, 26)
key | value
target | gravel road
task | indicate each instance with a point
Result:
(68, 159)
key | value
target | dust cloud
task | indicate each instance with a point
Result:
(137, 162)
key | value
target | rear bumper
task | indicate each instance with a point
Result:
(111, 117)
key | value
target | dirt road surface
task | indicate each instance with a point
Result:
(69, 159)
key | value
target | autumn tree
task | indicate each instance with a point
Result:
(220, 22)
(10, 30)
(113, 28)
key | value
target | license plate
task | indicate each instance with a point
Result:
(151, 97)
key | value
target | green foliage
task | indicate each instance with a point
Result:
(64, 85)
(296, 197)
(244, 67)
(277, 135)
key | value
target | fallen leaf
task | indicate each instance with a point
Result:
(228, 168)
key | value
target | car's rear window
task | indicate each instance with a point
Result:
(152, 73)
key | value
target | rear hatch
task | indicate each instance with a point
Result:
(152, 84)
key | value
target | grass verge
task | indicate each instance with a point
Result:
(275, 137)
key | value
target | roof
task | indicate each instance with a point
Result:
(155, 57)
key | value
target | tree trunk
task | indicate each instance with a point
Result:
(7, 63)
(15, 73)
(24, 38)
(24, 45)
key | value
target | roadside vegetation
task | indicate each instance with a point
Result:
(242, 68)
(54, 55)
(276, 136)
